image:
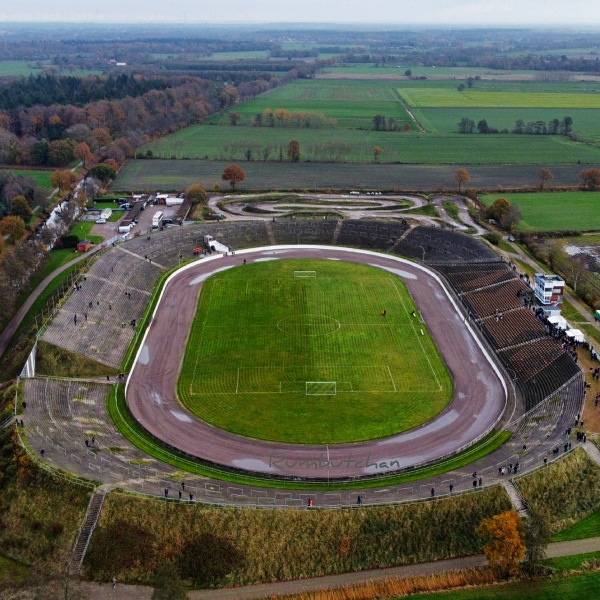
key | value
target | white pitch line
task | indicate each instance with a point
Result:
(392, 378)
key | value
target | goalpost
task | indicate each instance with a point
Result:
(305, 273)
(321, 388)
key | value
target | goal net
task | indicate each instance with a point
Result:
(305, 273)
(321, 388)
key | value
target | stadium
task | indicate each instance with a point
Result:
(514, 389)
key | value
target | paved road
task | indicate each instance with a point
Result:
(273, 590)
(14, 323)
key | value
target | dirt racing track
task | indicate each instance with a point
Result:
(478, 403)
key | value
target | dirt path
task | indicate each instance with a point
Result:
(273, 590)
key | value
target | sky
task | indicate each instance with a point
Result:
(456, 13)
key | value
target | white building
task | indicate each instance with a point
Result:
(548, 289)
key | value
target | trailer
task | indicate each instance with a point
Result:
(157, 220)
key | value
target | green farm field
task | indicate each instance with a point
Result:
(475, 98)
(311, 359)
(554, 211)
(352, 103)
(176, 175)
(42, 178)
(24, 68)
(221, 142)
(433, 139)
(375, 71)
(586, 121)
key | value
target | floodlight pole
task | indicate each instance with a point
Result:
(423, 254)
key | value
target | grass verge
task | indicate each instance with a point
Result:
(585, 528)
(570, 563)
(573, 587)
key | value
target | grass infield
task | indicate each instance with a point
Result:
(312, 359)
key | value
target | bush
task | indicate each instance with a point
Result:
(69, 241)
(493, 237)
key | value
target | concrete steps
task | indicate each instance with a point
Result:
(87, 527)
(515, 498)
(592, 451)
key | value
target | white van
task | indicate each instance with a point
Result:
(124, 228)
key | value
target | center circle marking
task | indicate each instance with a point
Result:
(309, 325)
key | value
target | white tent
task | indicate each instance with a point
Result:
(576, 335)
(559, 322)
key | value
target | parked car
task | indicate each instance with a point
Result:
(100, 221)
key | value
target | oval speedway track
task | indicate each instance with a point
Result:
(478, 402)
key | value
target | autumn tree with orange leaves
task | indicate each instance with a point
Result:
(234, 175)
(503, 541)
(63, 179)
(462, 177)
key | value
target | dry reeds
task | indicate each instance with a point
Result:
(401, 586)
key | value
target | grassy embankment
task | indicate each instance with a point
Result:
(237, 546)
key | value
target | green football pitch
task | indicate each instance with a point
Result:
(299, 351)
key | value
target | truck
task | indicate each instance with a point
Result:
(157, 220)
(173, 201)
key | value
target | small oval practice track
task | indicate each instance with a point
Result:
(477, 405)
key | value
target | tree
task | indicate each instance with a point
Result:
(590, 179)
(408, 72)
(196, 194)
(379, 123)
(545, 175)
(234, 175)
(461, 87)
(13, 227)
(503, 541)
(566, 125)
(462, 177)
(377, 150)
(483, 127)
(63, 179)
(39, 152)
(19, 207)
(103, 172)
(83, 153)
(234, 118)
(537, 536)
(61, 153)
(510, 218)
(167, 583)
(466, 125)
(498, 208)
(293, 151)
